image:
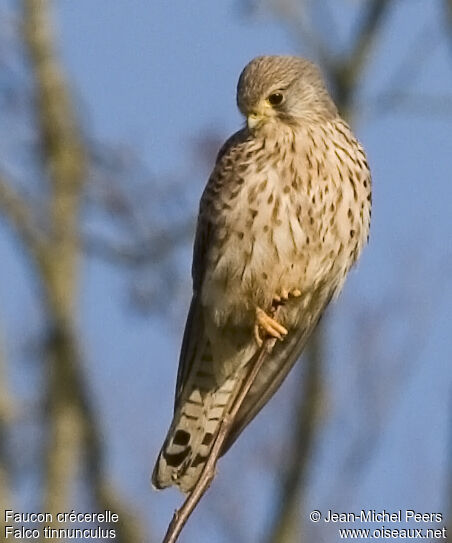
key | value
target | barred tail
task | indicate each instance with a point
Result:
(194, 428)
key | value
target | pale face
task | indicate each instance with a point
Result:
(284, 90)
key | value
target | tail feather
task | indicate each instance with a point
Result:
(194, 428)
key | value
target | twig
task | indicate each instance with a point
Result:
(181, 516)
(19, 214)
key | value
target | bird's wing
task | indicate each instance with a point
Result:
(194, 333)
(195, 327)
(275, 369)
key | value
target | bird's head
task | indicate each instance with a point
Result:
(282, 89)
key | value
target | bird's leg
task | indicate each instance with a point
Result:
(269, 325)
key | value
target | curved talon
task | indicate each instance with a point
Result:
(286, 295)
(257, 336)
(269, 325)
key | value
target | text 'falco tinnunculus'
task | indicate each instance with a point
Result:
(283, 217)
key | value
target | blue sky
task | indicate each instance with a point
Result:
(156, 78)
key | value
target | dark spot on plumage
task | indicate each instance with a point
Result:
(253, 212)
(234, 194)
(175, 460)
(332, 207)
(226, 206)
(308, 240)
(311, 220)
(240, 181)
(181, 437)
(346, 137)
(260, 165)
(207, 439)
(339, 157)
(308, 158)
(275, 209)
(365, 183)
(240, 235)
(349, 213)
(352, 233)
(346, 152)
(241, 168)
(199, 459)
(264, 276)
(270, 198)
(266, 228)
(325, 144)
(295, 184)
(313, 199)
(298, 210)
(286, 189)
(263, 185)
(252, 195)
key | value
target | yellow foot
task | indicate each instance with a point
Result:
(269, 325)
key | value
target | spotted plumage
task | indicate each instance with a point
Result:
(283, 217)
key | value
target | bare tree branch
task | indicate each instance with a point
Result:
(19, 214)
(6, 408)
(346, 73)
(64, 161)
(208, 473)
(72, 422)
(152, 250)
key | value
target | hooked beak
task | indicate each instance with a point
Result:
(254, 119)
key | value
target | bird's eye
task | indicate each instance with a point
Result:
(275, 99)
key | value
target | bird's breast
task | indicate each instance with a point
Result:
(294, 224)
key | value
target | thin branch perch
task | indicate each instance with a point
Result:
(181, 515)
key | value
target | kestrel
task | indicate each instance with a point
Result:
(284, 216)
